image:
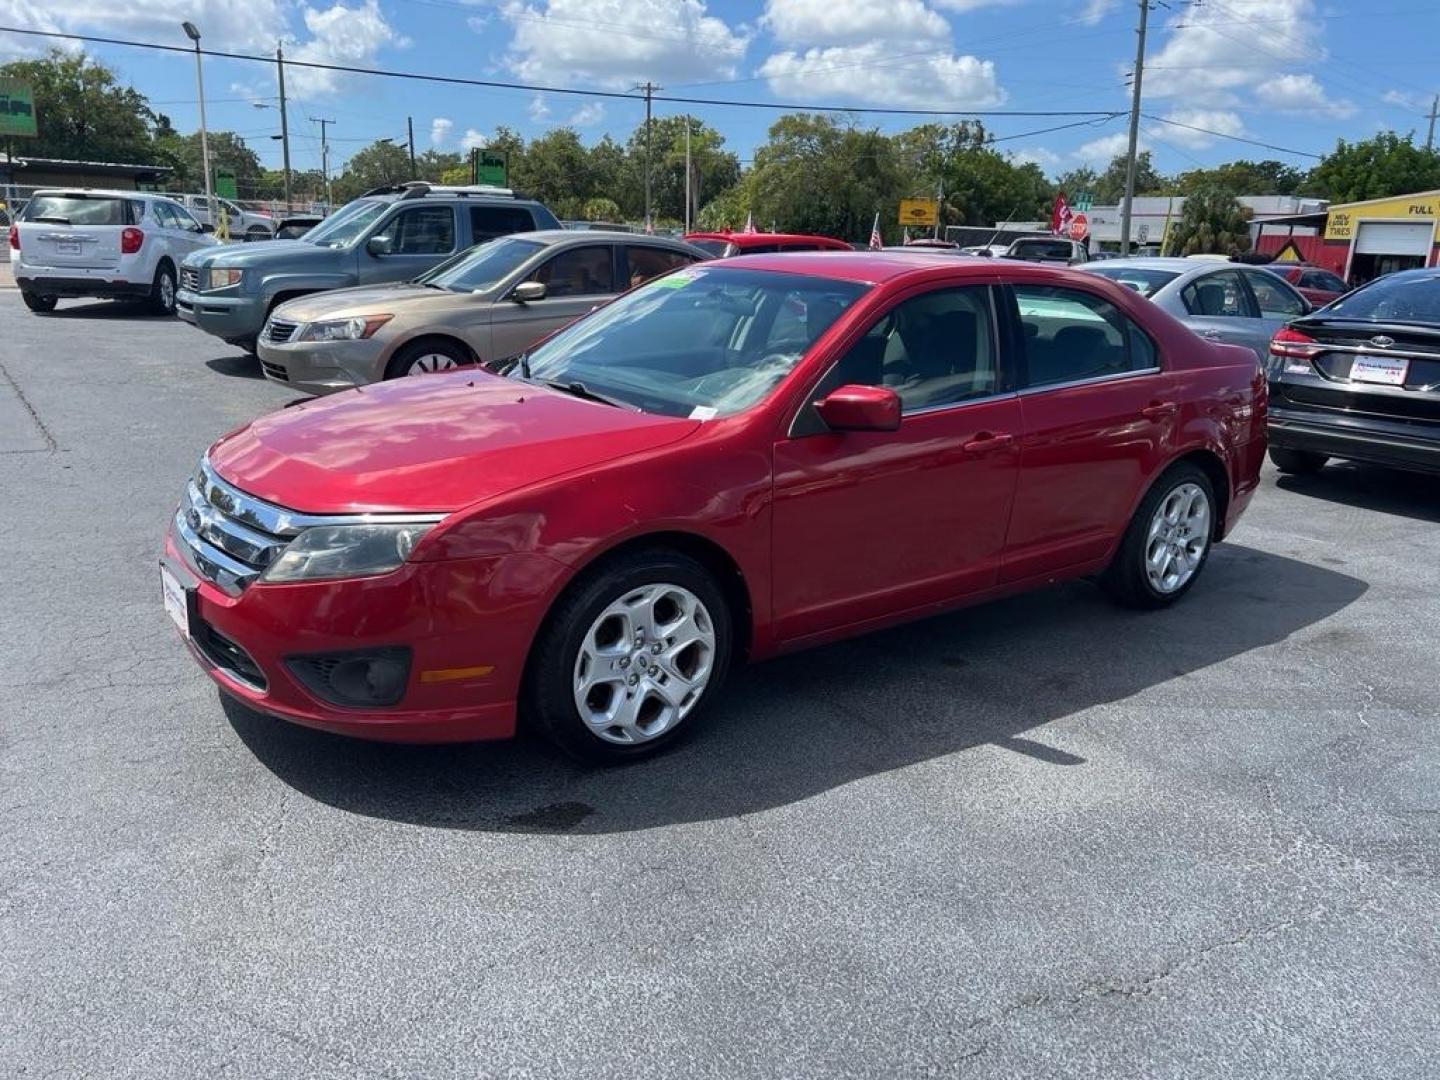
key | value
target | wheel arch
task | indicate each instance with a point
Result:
(1211, 464)
(430, 337)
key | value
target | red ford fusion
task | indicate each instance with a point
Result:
(739, 459)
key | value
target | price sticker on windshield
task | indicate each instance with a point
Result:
(677, 280)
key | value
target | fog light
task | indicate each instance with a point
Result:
(366, 678)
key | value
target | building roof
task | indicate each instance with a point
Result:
(21, 162)
(1434, 193)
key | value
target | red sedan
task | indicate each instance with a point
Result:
(738, 459)
(1316, 285)
(723, 245)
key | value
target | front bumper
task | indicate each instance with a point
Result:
(323, 367)
(1395, 443)
(468, 624)
(230, 318)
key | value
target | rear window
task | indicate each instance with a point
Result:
(81, 210)
(718, 248)
(1145, 282)
(1045, 249)
(1392, 299)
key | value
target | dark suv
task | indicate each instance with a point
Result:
(1360, 379)
(388, 234)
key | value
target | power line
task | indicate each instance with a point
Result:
(456, 80)
(1233, 138)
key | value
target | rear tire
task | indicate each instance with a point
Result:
(162, 291)
(642, 643)
(1297, 462)
(38, 303)
(1168, 541)
(422, 357)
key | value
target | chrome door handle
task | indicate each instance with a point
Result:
(1211, 335)
(1158, 410)
(985, 441)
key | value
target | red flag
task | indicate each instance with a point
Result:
(1060, 216)
(876, 243)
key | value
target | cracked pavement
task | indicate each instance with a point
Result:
(1042, 838)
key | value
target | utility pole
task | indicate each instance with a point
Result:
(649, 88)
(1434, 112)
(284, 123)
(1134, 132)
(324, 159)
(687, 174)
(410, 134)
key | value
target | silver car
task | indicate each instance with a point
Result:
(1220, 301)
(485, 304)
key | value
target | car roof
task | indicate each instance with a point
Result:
(586, 238)
(741, 239)
(99, 191)
(878, 267)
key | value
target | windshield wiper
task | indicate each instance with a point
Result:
(580, 390)
(51, 219)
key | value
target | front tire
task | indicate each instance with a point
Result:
(424, 357)
(629, 658)
(1297, 462)
(162, 291)
(1167, 543)
(38, 303)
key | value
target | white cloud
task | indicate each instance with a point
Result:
(971, 5)
(473, 138)
(537, 110)
(857, 73)
(620, 42)
(1400, 99)
(845, 22)
(1099, 152)
(340, 35)
(440, 129)
(1035, 155)
(588, 115)
(1095, 10)
(1216, 120)
(1301, 93)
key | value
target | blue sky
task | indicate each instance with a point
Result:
(1296, 73)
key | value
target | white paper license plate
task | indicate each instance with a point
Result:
(67, 247)
(173, 593)
(1389, 370)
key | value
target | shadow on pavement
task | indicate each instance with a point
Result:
(240, 365)
(107, 309)
(791, 728)
(1370, 487)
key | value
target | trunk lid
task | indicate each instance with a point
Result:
(1381, 369)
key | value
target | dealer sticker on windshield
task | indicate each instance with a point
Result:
(677, 280)
(1388, 370)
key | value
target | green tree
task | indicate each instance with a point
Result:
(378, 164)
(714, 168)
(726, 211)
(83, 113)
(555, 168)
(228, 153)
(1110, 185)
(1243, 178)
(1077, 181)
(601, 209)
(434, 165)
(1374, 169)
(1212, 223)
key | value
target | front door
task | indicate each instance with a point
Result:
(575, 280)
(872, 524)
(420, 237)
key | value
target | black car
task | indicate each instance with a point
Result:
(1360, 379)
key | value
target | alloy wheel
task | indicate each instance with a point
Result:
(1178, 538)
(428, 362)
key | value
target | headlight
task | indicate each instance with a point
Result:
(221, 279)
(338, 551)
(354, 329)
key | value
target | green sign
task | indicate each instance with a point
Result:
(225, 184)
(1083, 201)
(489, 167)
(17, 109)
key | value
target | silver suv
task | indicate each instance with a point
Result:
(389, 234)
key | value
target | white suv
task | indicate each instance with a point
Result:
(243, 224)
(118, 244)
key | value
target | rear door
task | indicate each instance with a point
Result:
(188, 236)
(1277, 301)
(76, 230)
(639, 262)
(575, 279)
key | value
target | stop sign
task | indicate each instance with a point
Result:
(1079, 227)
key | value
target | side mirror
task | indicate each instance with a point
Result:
(527, 292)
(860, 408)
(379, 246)
(206, 227)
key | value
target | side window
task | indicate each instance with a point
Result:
(932, 350)
(184, 219)
(488, 222)
(1071, 335)
(1220, 294)
(644, 263)
(1272, 295)
(583, 271)
(422, 230)
(165, 215)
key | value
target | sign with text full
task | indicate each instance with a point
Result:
(17, 109)
(489, 167)
(225, 185)
(1079, 227)
(1341, 221)
(919, 212)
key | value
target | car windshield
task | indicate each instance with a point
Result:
(481, 266)
(346, 225)
(1392, 299)
(700, 342)
(1145, 282)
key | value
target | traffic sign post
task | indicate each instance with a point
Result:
(1082, 202)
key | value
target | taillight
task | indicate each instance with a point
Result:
(14, 237)
(130, 241)
(1287, 342)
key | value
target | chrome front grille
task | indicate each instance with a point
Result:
(278, 331)
(189, 279)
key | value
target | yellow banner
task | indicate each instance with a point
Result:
(918, 212)
(1340, 222)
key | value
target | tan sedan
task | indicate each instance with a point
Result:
(485, 304)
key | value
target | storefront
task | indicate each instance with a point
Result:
(1381, 236)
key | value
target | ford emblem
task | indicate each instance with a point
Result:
(1381, 341)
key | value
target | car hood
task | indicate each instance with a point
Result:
(428, 444)
(366, 300)
(293, 253)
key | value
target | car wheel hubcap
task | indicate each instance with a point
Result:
(431, 362)
(1178, 538)
(644, 664)
(167, 291)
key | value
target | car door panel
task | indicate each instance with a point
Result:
(581, 278)
(420, 239)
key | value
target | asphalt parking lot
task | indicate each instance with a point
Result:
(1045, 837)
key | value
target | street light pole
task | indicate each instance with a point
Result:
(193, 33)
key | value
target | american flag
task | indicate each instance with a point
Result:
(876, 243)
